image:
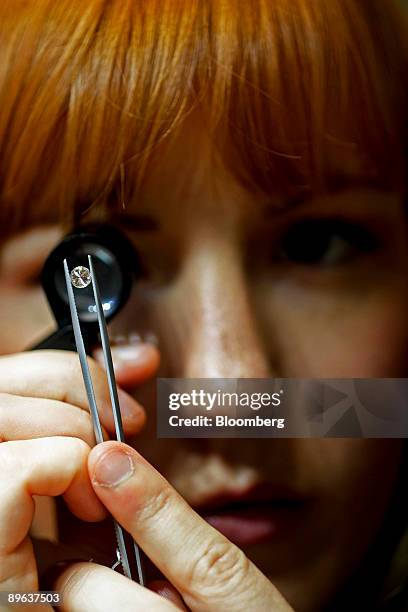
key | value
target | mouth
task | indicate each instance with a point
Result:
(261, 514)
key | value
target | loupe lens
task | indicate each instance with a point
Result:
(110, 281)
(116, 265)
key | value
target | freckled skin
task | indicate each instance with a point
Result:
(220, 308)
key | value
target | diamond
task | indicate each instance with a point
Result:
(80, 277)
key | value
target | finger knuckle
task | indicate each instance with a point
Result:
(157, 505)
(220, 567)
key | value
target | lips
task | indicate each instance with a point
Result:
(263, 513)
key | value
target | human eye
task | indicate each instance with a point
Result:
(325, 242)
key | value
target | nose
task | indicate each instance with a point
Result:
(213, 326)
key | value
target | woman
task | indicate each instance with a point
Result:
(255, 154)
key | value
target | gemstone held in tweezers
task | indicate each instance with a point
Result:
(80, 277)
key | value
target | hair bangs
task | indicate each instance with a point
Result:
(295, 95)
(317, 95)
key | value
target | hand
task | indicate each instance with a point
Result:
(206, 571)
(46, 466)
(42, 396)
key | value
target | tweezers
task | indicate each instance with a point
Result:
(121, 535)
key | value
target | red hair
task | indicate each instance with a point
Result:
(89, 88)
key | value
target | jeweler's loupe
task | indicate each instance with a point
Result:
(116, 264)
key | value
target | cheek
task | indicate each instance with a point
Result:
(346, 467)
(327, 336)
(354, 481)
(25, 318)
(357, 484)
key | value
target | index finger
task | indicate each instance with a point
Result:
(56, 375)
(205, 567)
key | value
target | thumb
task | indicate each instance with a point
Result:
(134, 363)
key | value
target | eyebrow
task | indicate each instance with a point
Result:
(136, 222)
(334, 184)
(345, 182)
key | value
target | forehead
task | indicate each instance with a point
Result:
(190, 171)
(191, 174)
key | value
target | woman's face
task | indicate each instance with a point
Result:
(237, 285)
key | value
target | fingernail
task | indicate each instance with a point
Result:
(130, 354)
(113, 468)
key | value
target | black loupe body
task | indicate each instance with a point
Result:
(116, 265)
